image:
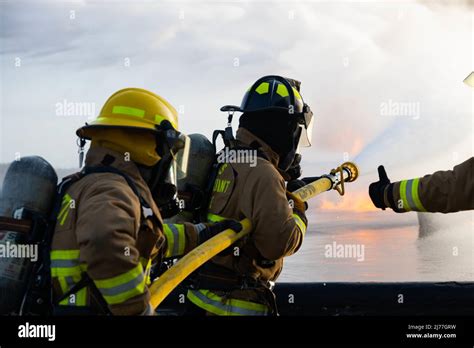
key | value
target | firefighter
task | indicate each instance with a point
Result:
(441, 192)
(274, 123)
(109, 229)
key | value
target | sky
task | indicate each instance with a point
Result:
(384, 78)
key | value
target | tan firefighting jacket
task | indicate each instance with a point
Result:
(103, 230)
(443, 191)
(258, 193)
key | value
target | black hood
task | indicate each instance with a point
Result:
(276, 129)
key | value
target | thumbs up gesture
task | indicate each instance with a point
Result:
(377, 189)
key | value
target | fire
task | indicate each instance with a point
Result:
(355, 202)
(357, 146)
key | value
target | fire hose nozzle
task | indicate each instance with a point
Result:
(353, 170)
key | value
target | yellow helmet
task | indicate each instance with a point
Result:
(132, 108)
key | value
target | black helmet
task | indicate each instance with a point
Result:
(276, 93)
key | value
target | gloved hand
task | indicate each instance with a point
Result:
(212, 229)
(377, 189)
(296, 203)
(294, 185)
(299, 207)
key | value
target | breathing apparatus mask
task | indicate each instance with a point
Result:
(173, 148)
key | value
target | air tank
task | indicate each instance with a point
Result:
(201, 157)
(27, 194)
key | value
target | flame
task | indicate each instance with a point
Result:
(357, 146)
(355, 202)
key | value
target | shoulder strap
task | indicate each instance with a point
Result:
(201, 215)
(40, 290)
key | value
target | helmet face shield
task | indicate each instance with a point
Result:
(176, 145)
(173, 148)
(181, 156)
(306, 124)
(165, 192)
(171, 177)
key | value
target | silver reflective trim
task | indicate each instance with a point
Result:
(199, 227)
(65, 263)
(411, 202)
(175, 231)
(226, 307)
(116, 290)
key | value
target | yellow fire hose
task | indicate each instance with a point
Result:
(169, 280)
